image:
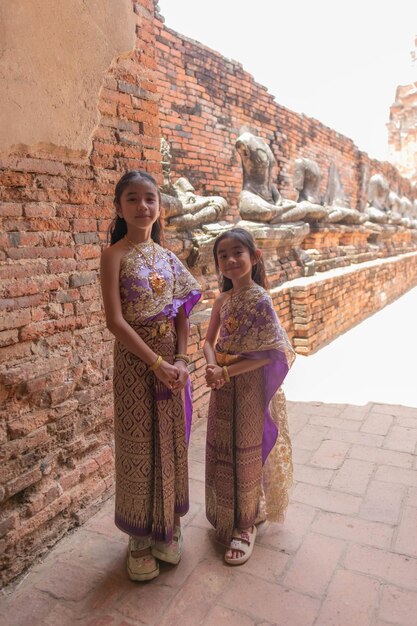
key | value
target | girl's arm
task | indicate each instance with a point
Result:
(214, 372)
(215, 375)
(117, 325)
(212, 332)
(182, 328)
(246, 365)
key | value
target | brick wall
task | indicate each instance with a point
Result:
(317, 309)
(56, 354)
(207, 99)
(325, 306)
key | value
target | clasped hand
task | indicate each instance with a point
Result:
(214, 376)
(173, 376)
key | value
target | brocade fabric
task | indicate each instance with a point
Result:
(248, 452)
(151, 423)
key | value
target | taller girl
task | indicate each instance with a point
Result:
(248, 453)
(148, 295)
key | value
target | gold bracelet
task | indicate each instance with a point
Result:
(226, 375)
(182, 357)
(155, 365)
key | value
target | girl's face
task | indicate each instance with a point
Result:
(235, 261)
(139, 205)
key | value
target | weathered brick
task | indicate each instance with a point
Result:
(26, 424)
(13, 375)
(17, 320)
(7, 524)
(8, 337)
(86, 278)
(23, 481)
(11, 209)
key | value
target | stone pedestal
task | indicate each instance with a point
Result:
(403, 240)
(337, 245)
(280, 244)
(281, 248)
(391, 240)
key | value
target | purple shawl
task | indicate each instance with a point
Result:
(250, 329)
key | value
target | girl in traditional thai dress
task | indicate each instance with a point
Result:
(148, 295)
(248, 452)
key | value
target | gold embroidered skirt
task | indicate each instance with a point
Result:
(150, 441)
(238, 487)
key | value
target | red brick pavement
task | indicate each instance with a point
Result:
(345, 556)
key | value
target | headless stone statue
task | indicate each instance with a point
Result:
(336, 202)
(260, 200)
(377, 208)
(184, 209)
(408, 211)
(405, 206)
(197, 210)
(397, 211)
(307, 177)
(279, 223)
(394, 202)
(171, 204)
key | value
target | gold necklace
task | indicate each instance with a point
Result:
(156, 281)
(231, 322)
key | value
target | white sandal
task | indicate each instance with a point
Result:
(243, 542)
(169, 552)
(141, 567)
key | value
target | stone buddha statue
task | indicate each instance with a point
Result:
(184, 208)
(171, 204)
(398, 213)
(376, 210)
(260, 200)
(197, 210)
(414, 211)
(394, 202)
(408, 211)
(337, 204)
(307, 177)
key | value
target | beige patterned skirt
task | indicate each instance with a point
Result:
(150, 442)
(238, 487)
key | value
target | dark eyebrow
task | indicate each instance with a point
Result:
(135, 193)
(238, 246)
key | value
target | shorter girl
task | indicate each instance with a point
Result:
(148, 295)
(248, 453)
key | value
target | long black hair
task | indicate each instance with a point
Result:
(118, 227)
(246, 239)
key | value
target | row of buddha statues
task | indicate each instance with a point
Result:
(261, 201)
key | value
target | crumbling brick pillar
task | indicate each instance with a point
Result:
(93, 115)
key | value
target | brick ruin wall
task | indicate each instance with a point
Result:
(56, 354)
(324, 307)
(207, 100)
(315, 310)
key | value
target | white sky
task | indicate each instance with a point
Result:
(339, 62)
